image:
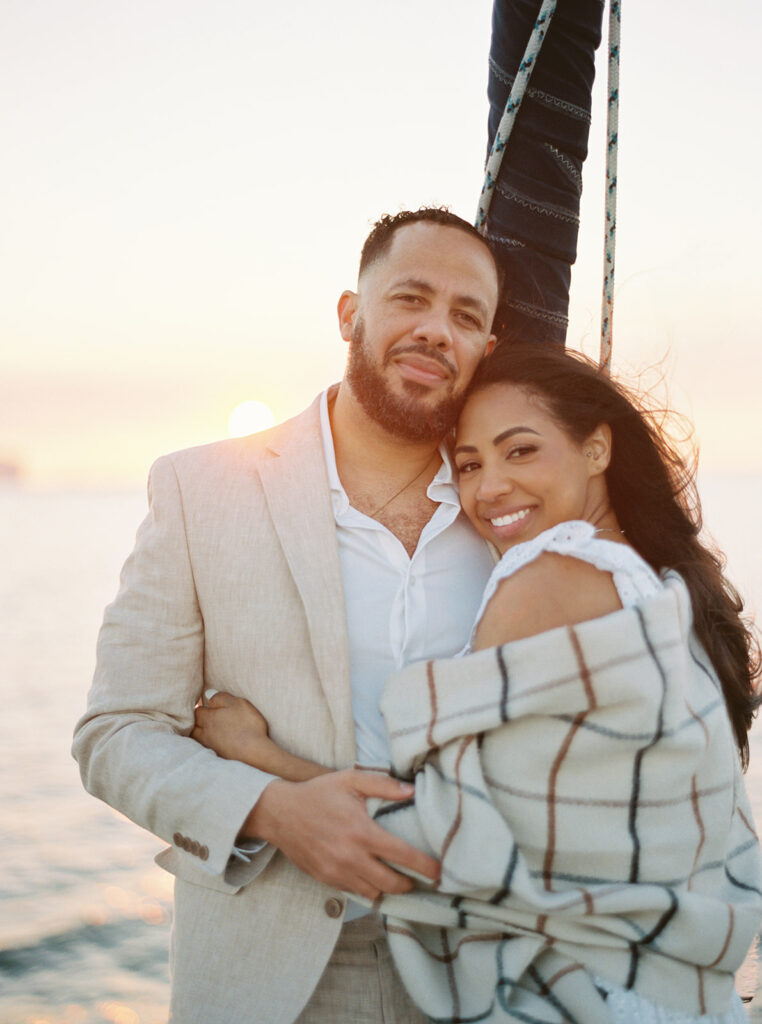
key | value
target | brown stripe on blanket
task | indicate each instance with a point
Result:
(465, 744)
(702, 831)
(728, 936)
(451, 955)
(555, 978)
(433, 703)
(550, 851)
(584, 671)
(701, 995)
(451, 981)
(581, 801)
(746, 822)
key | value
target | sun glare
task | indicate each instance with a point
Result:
(248, 418)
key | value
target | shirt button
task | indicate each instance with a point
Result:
(334, 907)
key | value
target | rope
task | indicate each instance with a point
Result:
(495, 159)
(612, 152)
(505, 127)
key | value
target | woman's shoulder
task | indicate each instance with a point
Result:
(552, 589)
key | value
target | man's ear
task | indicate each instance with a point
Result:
(597, 448)
(347, 309)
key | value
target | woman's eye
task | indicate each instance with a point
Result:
(468, 467)
(520, 450)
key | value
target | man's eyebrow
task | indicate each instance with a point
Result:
(417, 284)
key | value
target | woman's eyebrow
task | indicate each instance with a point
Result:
(512, 431)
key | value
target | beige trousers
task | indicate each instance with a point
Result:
(360, 984)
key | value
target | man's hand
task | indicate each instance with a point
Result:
(324, 828)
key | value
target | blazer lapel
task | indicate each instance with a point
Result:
(295, 483)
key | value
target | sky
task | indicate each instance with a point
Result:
(186, 187)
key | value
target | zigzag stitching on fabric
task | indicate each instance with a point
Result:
(529, 204)
(509, 243)
(567, 165)
(542, 97)
(538, 314)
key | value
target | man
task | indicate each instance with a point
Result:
(297, 568)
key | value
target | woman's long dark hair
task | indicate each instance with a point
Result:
(653, 493)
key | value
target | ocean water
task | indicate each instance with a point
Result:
(84, 912)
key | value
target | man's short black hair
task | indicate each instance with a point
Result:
(379, 241)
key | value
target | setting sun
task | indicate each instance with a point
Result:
(249, 417)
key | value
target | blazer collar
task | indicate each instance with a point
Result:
(295, 483)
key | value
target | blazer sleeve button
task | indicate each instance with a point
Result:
(204, 853)
(334, 907)
(177, 839)
(193, 847)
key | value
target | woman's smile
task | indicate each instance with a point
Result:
(519, 472)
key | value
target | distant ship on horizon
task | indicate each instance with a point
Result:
(10, 472)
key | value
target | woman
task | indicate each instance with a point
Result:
(579, 775)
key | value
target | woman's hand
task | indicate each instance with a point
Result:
(234, 729)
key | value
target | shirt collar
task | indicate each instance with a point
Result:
(442, 489)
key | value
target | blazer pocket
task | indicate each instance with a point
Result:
(182, 866)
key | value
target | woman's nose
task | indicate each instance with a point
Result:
(493, 483)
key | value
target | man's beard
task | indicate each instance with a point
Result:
(405, 416)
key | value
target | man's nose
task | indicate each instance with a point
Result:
(434, 328)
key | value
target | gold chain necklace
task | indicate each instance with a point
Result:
(372, 515)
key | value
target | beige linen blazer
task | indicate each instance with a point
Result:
(234, 583)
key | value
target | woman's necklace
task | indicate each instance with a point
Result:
(418, 475)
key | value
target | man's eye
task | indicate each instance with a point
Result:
(468, 320)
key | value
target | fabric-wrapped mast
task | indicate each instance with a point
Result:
(529, 207)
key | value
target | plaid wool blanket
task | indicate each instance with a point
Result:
(582, 790)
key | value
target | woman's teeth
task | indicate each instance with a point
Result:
(512, 518)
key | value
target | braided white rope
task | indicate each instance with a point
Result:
(505, 127)
(612, 152)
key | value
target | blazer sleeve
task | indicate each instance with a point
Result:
(132, 743)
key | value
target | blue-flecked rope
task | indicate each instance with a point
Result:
(518, 90)
(612, 152)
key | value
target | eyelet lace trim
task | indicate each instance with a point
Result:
(633, 578)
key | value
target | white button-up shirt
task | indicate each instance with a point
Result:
(402, 609)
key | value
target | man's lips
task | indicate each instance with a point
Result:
(421, 369)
